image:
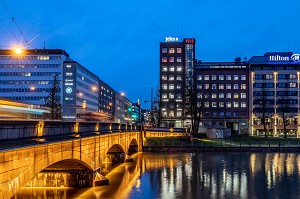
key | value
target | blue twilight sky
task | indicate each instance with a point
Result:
(119, 40)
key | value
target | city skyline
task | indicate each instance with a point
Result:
(119, 42)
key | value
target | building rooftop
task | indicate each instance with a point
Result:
(35, 52)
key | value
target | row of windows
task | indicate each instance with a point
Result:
(171, 50)
(171, 96)
(29, 74)
(279, 76)
(171, 86)
(28, 57)
(276, 68)
(16, 82)
(208, 114)
(29, 66)
(278, 110)
(279, 85)
(221, 86)
(171, 59)
(223, 104)
(172, 77)
(221, 77)
(171, 68)
(269, 102)
(222, 95)
(22, 90)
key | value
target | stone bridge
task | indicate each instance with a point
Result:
(35, 153)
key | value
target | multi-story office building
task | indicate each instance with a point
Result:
(222, 96)
(28, 77)
(123, 109)
(176, 73)
(106, 101)
(136, 113)
(275, 80)
(80, 92)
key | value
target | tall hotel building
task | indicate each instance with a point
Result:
(275, 80)
(176, 73)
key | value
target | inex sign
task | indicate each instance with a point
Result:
(278, 58)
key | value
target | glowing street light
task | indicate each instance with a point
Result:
(94, 88)
(32, 88)
(122, 94)
(80, 94)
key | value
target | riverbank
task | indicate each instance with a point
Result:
(236, 144)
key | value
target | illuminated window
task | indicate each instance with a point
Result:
(214, 77)
(171, 86)
(178, 59)
(199, 95)
(43, 58)
(206, 104)
(171, 114)
(228, 95)
(243, 95)
(179, 68)
(292, 76)
(178, 86)
(243, 77)
(164, 50)
(228, 104)
(221, 77)
(214, 104)
(164, 114)
(293, 85)
(164, 77)
(172, 68)
(235, 77)
(178, 50)
(178, 95)
(214, 95)
(164, 86)
(178, 77)
(171, 59)
(164, 59)
(164, 96)
(206, 77)
(214, 86)
(171, 50)
(268, 76)
(171, 77)
(221, 95)
(171, 95)
(221, 86)
(235, 86)
(243, 104)
(243, 86)
(179, 114)
(235, 114)
(236, 95)
(206, 86)
(235, 104)
(228, 77)
(228, 86)
(221, 104)
(199, 77)
(164, 68)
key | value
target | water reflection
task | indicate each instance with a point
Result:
(197, 175)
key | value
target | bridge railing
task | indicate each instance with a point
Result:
(21, 131)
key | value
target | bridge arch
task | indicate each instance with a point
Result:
(133, 147)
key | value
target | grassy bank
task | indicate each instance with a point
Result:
(244, 141)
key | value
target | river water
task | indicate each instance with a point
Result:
(192, 175)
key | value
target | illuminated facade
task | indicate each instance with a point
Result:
(275, 90)
(176, 72)
(222, 96)
(28, 77)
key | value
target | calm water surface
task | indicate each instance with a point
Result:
(193, 175)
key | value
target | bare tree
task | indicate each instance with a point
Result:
(156, 115)
(263, 108)
(286, 109)
(197, 96)
(53, 101)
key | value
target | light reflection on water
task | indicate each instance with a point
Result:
(196, 175)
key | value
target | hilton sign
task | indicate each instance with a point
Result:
(294, 58)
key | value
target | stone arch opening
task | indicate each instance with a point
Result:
(133, 147)
(116, 154)
(65, 173)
